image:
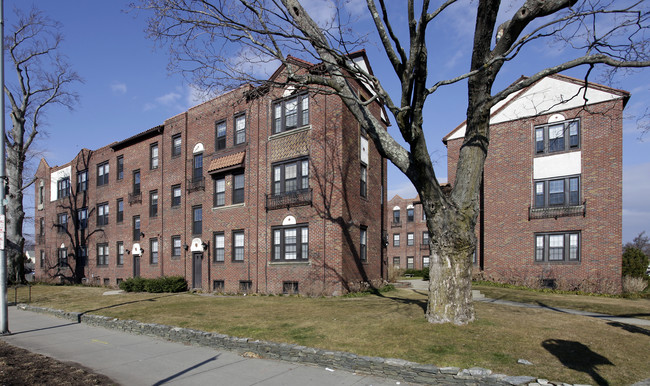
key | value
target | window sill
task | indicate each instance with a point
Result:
(546, 154)
(559, 262)
(289, 132)
(102, 265)
(217, 208)
(237, 261)
(284, 262)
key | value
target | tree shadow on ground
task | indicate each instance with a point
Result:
(577, 356)
(630, 328)
(153, 299)
(422, 303)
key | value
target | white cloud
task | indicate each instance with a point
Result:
(118, 88)
(404, 190)
(168, 99)
(636, 189)
(254, 63)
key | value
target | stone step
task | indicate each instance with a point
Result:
(476, 295)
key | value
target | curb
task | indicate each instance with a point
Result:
(392, 368)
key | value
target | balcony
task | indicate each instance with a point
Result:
(555, 212)
(394, 224)
(424, 246)
(40, 239)
(195, 184)
(287, 200)
(135, 198)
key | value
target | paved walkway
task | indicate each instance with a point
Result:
(420, 285)
(140, 360)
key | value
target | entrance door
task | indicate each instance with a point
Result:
(197, 264)
(136, 266)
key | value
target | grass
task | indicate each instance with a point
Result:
(561, 347)
(617, 306)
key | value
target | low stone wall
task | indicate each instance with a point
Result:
(398, 369)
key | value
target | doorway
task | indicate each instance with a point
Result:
(197, 265)
(136, 266)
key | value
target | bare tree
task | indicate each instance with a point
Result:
(222, 43)
(42, 79)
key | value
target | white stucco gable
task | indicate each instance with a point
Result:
(549, 95)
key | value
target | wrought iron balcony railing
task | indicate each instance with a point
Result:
(195, 184)
(287, 200)
(135, 198)
(560, 211)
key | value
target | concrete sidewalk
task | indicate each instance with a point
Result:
(140, 360)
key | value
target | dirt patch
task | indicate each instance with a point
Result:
(21, 367)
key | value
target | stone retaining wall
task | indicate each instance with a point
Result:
(398, 369)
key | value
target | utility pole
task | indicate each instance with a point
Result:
(4, 306)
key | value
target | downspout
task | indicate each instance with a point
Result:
(161, 206)
(185, 200)
(325, 193)
(257, 194)
(481, 236)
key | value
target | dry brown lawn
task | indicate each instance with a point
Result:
(561, 346)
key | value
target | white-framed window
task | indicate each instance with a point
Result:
(63, 187)
(425, 238)
(120, 252)
(291, 243)
(219, 247)
(220, 191)
(102, 254)
(557, 247)
(82, 181)
(176, 195)
(82, 218)
(176, 145)
(120, 167)
(153, 247)
(153, 153)
(410, 239)
(102, 173)
(410, 214)
(559, 136)
(290, 176)
(363, 183)
(410, 261)
(62, 222)
(396, 239)
(102, 214)
(240, 129)
(197, 220)
(153, 203)
(238, 245)
(564, 191)
(238, 188)
(291, 113)
(363, 243)
(220, 135)
(396, 216)
(425, 261)
(176, 246)
(396, 261)
(62, 257)
(120, 210)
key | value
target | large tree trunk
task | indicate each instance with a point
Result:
(450, 270)
(15, 217)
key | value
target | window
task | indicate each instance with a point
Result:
(82, 255)
(102, 173)
(410, 214)
(218, 286)
(238, 188)
(176, 195)
(364, 181)
(396, 240)
(557, 192)
(291, 243)
(176, 145)
(363, 244)
(102, 214)
(197, 220)
(120, 167)
(238, 245)
(290, 287)
(82, 218)
(176, 246)
(42, 259)
(120, 252)
(120, 210)
(220, 135)
(82, 181)
(41, 195)
(240, 129)
(219, 247)
(290, 176)
(153, 247)
(425, 238)
(62, 255)
(409, 262)
(396, 261)
(153, 156)
(136, 228)
(63, 187)
(396, 219)
(557, 137)
(425, 261)
(245, 286)
(102, 254)
(557, 247)
(153, 203)
(291, 113)
(220, 192)
(197, 167)
(41, 223)
(136, 182)
(410, 239)
(62, 222)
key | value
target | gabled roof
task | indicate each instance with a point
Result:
(554, 93)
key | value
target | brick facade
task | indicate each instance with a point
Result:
(407, 238)
(235, 192)
(531, 234)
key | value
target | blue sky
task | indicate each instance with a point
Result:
(128, 88)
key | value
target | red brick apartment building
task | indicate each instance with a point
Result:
(258, 190)
(552, 188)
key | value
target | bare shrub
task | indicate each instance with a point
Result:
(633, 284)
(394, 273)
